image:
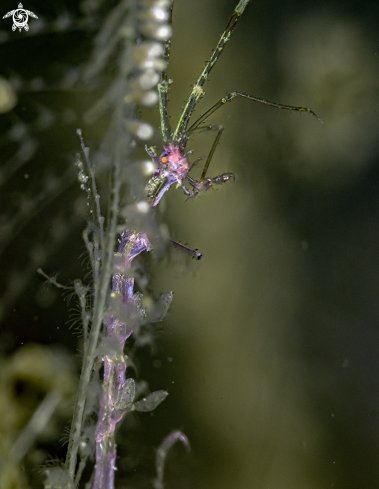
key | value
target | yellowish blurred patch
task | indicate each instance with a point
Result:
(32, 375)
(8, 97)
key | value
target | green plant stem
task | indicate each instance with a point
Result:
(98, 315)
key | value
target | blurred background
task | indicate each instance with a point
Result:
(270, 350)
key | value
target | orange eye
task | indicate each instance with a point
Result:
(164, 159)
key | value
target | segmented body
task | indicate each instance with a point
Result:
(172, 167)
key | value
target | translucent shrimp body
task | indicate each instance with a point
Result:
(173, 167)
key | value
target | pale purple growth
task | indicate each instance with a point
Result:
(131, 245)
(118, 393)
(162, 452)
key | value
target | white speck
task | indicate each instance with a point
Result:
(143, 207)
(148, 79)
(148, 167)
(141, 129)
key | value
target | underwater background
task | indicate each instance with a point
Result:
(270, 350)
